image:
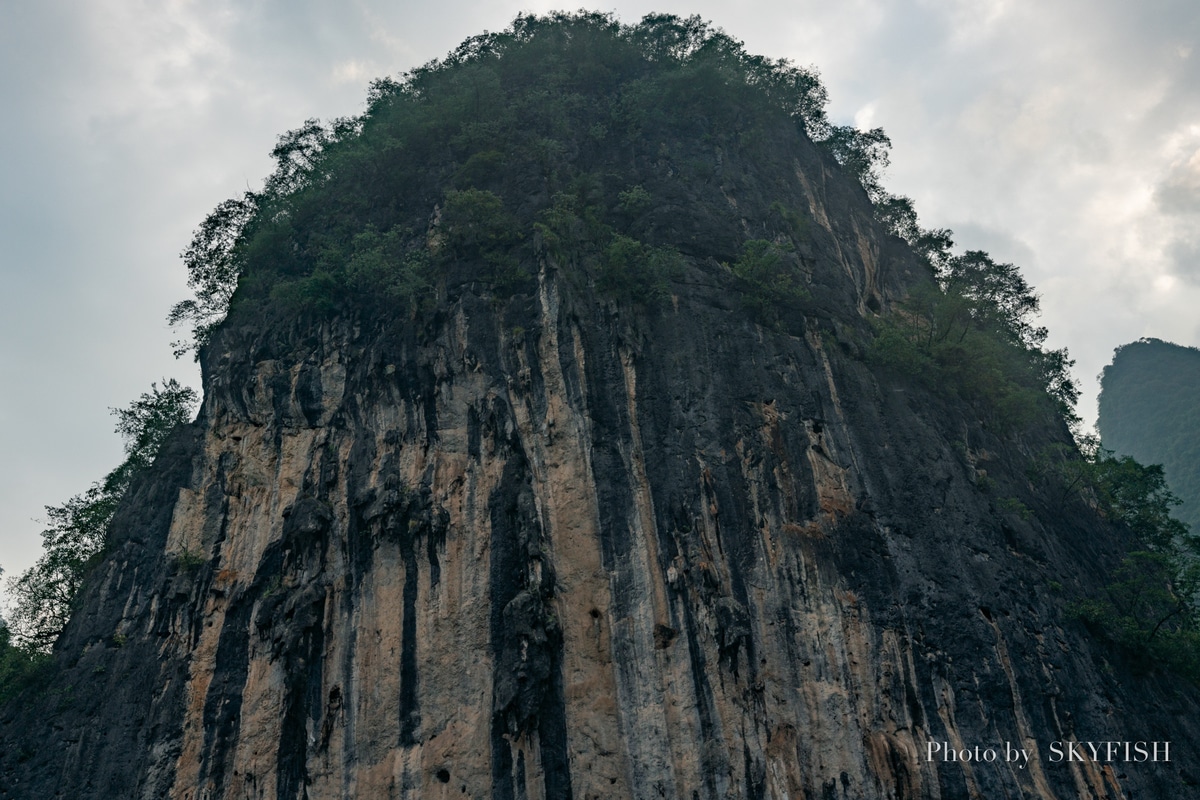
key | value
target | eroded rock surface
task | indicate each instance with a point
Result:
(552, 547)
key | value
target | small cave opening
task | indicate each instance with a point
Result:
(443, 775)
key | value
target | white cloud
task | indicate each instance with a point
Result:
(864, 118)
(356, 72)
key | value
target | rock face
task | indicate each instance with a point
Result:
(552, 547)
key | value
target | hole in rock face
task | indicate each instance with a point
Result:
(664, 636)
(595, 613)
(443, 775)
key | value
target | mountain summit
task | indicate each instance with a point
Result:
(585, 421)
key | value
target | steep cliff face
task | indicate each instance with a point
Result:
(541, 549)
(557, 545)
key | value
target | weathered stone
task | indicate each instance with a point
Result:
(617, 554)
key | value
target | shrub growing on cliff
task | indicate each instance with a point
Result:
(1144, 610)
(475, 227)
(634, 272)
(770, 277)
(214, 264)
(78, 529)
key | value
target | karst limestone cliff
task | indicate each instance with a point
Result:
(553, 544)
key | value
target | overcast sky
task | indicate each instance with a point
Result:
(1061, 135)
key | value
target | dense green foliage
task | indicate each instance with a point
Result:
(562, 141)
(1150, 409)
(43, 595)
(971, 331)
(1151, 606)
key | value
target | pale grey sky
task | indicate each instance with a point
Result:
(1061, 135)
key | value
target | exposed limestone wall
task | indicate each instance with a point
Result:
(537, 549)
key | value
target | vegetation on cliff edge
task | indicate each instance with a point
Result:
(44, 595)
(1150, 607)
(597, 146)
(568, 137)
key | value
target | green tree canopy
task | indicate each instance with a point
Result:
(492, 137)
